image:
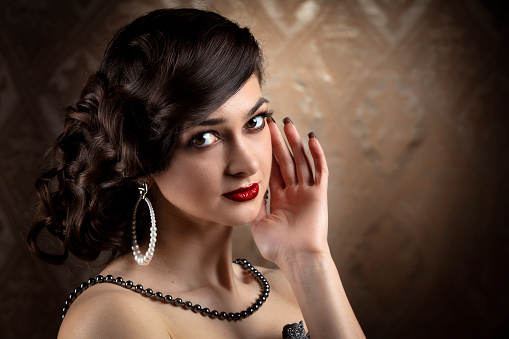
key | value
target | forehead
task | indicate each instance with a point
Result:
(243, 101)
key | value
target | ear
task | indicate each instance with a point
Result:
(147, 179)
(151, 182)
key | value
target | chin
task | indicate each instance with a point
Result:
(238, 221)
(240, 218)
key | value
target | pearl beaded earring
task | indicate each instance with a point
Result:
(144, 259)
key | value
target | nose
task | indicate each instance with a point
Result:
(242, 158)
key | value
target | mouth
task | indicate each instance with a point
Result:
(244, 193)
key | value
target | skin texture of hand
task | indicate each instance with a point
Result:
(297, 223)
(294, 235)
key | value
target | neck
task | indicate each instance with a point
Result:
(190, 253)
(202, 251)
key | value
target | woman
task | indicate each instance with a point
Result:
(170, 145)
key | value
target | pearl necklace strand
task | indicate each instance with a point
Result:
(178, 302)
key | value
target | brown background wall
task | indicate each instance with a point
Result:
(409, 98)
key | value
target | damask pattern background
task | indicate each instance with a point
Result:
(409, 99)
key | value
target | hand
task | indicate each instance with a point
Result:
(298, 219)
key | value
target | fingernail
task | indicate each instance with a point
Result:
(274, 121)
(287, 120)
(311, 135)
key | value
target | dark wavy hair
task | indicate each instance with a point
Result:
(166, 70)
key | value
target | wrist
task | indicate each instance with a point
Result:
(306, 262)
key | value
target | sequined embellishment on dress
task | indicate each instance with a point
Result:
(295, 331)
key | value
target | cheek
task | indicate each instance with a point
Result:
(189, 180)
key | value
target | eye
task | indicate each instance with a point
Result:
(204, 139)
(256, 122)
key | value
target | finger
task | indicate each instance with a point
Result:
(302, 166)
(321, 169)
(283, 155)
(276, 179)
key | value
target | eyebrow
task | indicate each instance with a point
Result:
(217, 121)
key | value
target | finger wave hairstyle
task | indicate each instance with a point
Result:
(165, 71)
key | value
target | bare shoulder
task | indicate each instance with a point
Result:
(107, 311)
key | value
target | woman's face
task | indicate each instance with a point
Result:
(219, 164)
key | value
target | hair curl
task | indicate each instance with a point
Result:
(166, 70)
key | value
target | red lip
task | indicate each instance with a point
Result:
(244, 193)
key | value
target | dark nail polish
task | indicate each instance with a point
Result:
(311, 135)
(287, 120)
(271, 118)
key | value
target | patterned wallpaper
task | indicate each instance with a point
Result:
(408, 98)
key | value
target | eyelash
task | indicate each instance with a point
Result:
(264, 115)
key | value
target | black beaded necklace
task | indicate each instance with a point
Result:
(178, 302)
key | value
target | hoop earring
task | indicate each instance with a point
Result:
(144, 260)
